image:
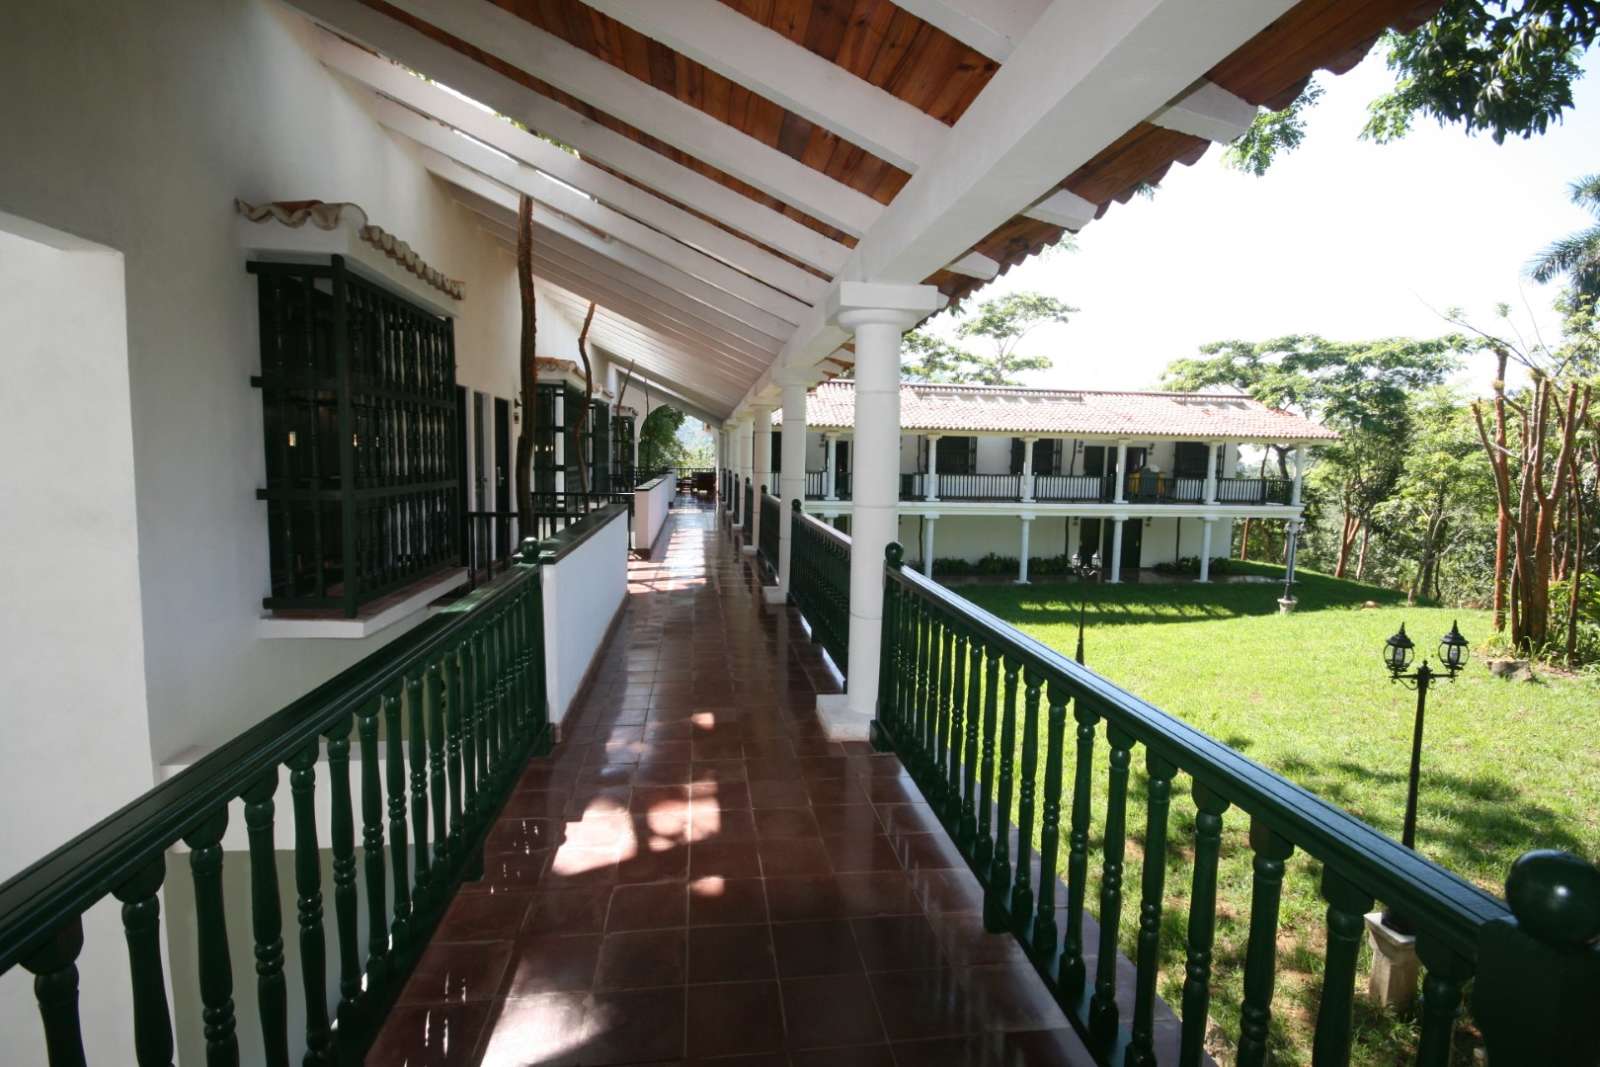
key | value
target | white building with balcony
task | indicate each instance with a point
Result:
(1141, 478)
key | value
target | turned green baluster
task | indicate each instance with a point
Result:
(450, 675)
(466, 713)
(1202, 924)
(1103, 1006)
(1346, 905)
(922, 750)
(997, 893)
(480, 711)
(342, 840)
(266, 919)
(211, 936)
(1072, 974)
(939, 776)
(399, 850)
(1044, 922)
(1022, 883)
(967, 830)
(983, 849)
(1141, 1046)
(504, 670)
(422, 886)
(141, 925)
(1444, 974)
(1261, 958)
(886, 723)
(956, 733)
(372, 849)
(53, 964)
(308, 901)
(433, 703)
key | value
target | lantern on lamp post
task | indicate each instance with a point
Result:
(1397, 656)
(1085, 572)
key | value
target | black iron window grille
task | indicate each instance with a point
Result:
(359, 412)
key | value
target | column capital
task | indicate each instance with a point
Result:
(852, 304)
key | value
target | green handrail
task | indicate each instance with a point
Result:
(944, 659)
(469, 682)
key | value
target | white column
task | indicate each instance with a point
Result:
(1205, 549)
(760, 470)
(744, 448)
(830, 456)
(1121, 494)
(1027, 483)
(927, 544)
(1211, 471)
(792, 479)
(877, 315)
(1115, 574)
(1022, 567)
(1299, 476)
(931, 490)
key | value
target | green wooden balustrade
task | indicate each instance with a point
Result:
(959, 701)
(819, 582)
(458, 704)
(771, 516)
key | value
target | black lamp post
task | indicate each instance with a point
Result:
(1397, 654)
(1085, 573)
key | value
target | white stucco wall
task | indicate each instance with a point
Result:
(584, 591)
(72, 637)
(650, 507)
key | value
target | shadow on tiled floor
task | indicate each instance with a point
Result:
(697, 874)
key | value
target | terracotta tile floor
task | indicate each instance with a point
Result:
(697, 874)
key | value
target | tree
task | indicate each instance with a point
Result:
(1004, 322)
(528, 364)
(1358, 388)
(658, 440)
(581, 435)
(1576, 256)
(1493, 66)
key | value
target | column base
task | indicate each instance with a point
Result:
(747, 550)
(1286, 605)
(839, 721)
(1395, 967)
(774, 595)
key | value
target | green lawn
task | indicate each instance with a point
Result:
(1507, 766)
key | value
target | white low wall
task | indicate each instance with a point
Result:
(651, 503)
(582, 593)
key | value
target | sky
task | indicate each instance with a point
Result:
(1342, 237)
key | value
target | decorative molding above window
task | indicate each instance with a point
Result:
(350, 218)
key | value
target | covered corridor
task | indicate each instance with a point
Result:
(696, 873)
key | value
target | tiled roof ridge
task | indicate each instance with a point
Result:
(1048, 389)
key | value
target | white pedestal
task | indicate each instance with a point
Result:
(1395, 967)
(1286, 605)
(748, 550)
(772, 594)
(839, 721)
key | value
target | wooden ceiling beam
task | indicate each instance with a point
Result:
(788, 74)
(1081, 78)
(396, 83)
(495, 31)
(991, 27)
(560, 197)
(729, 312)
(593, 140)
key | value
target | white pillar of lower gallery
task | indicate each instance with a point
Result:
(792, 475)
(760, 471)
(877, 315)
(1022, 566)
(747, 465)
(928, 523)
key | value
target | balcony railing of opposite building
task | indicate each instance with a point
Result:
(459, 703)
(979, 712)
(1142, 487)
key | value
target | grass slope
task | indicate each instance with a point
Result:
(1507, 766)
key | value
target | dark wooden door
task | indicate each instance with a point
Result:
(480, 439)
(1132, 543)
(463, 505)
